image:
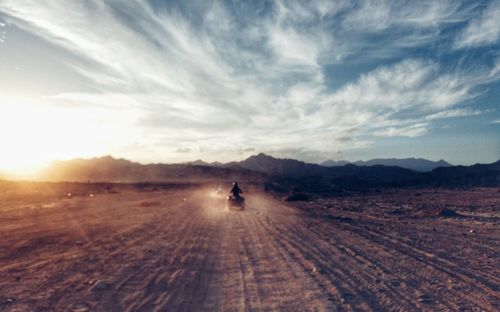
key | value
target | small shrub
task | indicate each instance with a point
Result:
(297, 197)
(448, 213)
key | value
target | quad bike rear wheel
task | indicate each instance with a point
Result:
(236, 203)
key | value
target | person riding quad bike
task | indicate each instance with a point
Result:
(236, 191)
(218, 189)
(235, 199)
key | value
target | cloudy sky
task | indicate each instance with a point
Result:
(170, 81)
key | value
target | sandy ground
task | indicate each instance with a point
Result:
(181, 250)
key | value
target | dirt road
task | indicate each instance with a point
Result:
(182, 251)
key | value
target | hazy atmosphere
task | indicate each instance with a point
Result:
(168, 81)
(315, 155)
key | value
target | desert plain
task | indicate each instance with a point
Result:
(176, 247)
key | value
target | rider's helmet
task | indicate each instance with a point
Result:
(235, 183)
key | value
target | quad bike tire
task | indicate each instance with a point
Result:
(235, 203)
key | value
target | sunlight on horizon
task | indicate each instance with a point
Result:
(33, 134)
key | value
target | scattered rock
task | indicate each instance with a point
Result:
(80, 307)
(397, 211)
(100, 286)
(149, 203)
(448, 213)
(348, 296)
(424, 299)
(339, 218)
(9, 300)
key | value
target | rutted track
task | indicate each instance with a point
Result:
(181, 250)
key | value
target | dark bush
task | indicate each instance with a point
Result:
(297, 197)
(446, 212)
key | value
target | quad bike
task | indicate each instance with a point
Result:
(235, 202)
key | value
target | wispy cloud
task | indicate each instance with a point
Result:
(451, 113)
(2, 31)
(412, 92)
(407, 131)
(227, 77)
(483, 30)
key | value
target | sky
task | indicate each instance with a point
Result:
(175, 81)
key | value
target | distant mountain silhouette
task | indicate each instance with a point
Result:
(334, 163)
(109, 169)
(475, 175)
(319, 178)
(264, 168)
(416, 164)
(198, 162)
(274, 166)
(351, 175)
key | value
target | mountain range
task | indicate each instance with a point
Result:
(109, 169)
(264, 168)
(416, 164)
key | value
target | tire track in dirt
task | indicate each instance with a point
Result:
(331, 262)
(188, 253)
(445, 269)
(175, 263)
(426, 260)
(130, 247)
(490, 280)
(280, 282)
(252, 275)
(330, 269)
(437, 285)
(350, 252)
(379, 277)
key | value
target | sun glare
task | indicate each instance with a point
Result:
(34, 133)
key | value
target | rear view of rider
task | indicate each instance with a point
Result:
(236, 191)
